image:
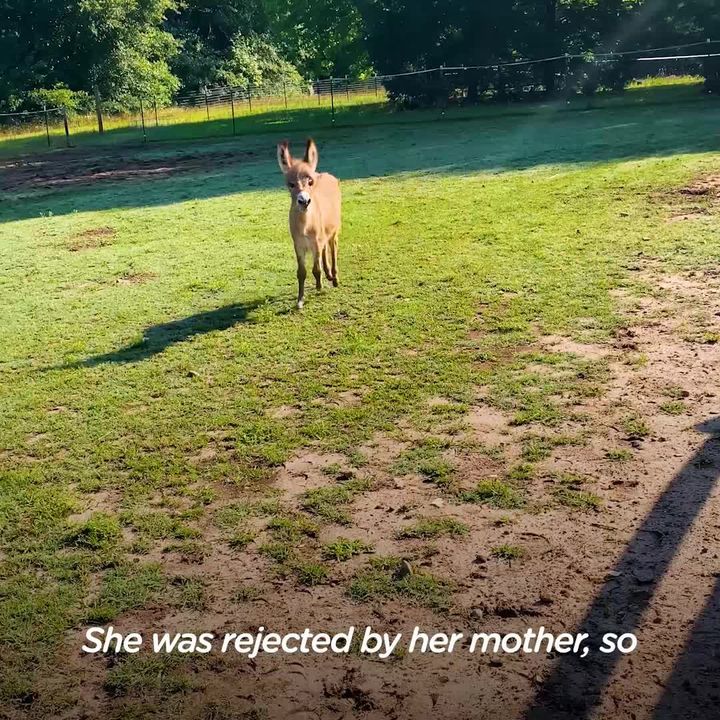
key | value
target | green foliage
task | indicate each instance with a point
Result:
(343, 549)
(427, 528)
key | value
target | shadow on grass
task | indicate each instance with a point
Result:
(158, 338)
(574, 688)
(460, 142)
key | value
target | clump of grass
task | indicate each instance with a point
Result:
(310, 573)
(635, 427)
(357, 459)
(327, 502)
(292, 528)
(675, 392)
(236, 514)
(342, 549)
(495, 493)
(382, 578)
(246, 593)
(521, 473)
(674, 407)
(124, 588)
(100, 532)
(427, 459)
(136, 674)
(190, 551)
(159, 525)
(241, 539)
(427, 528)
(540, 447)
(619, 455)
(577, 499)
(192, 593)
(280, 552)
(508, 552)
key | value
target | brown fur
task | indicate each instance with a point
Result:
(317, 228)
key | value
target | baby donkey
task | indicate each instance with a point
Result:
(314, 214)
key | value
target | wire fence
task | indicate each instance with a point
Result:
(284, 106)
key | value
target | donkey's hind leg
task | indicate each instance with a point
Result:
(333, 243)
(325, 263)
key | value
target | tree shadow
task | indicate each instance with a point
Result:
(157, 338)
(460, 141)
(575, 686)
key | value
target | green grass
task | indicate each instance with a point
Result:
(379, 579)
(428, 528)
(139, 374)
(508, 552)
(343, 549)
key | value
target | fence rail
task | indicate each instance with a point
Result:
(214, 111)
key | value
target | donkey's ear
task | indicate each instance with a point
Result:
(283, 156)
(311, 154)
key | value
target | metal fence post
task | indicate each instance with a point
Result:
(142, 120)
(232, 108)
(376, 86)
(332, 100)
(67, 128)
(47, 124)
(285, 93)
(249, 92)
(207, 105)
(317, 85)
(157, 124)
(347, 89)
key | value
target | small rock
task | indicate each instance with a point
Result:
(193, 373)
(404, 569)
(477, 614)
(437, 502)
(399, 484)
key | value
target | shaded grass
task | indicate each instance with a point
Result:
(427, 528)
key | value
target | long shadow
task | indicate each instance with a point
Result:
(460, 142)
(575, 686)
(158, 338)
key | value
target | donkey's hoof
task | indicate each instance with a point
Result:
(335, 282)
(300, 304)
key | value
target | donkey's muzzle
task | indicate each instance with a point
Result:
(303, 200)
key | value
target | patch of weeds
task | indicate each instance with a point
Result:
(635, 427)
(191, 593)
(382, 578)
(190, 551)
(246, 593)
(540, 447)
(521, 473)
(357, 459)
(100, 532)
(427, 528)
(494, 493)
(232, 516)
(569, 479)
(503, 521)
(291, 528)
(426, 459)
(577, 499)
(619, 455)
(342, 549)
(137, 674)
(240, 539)
(675, 392)
(327, 502)
(126, 588)
(280, 552)
(310, 573)
(508, 552)
(159, 525)
(674, 407)
(333, 470)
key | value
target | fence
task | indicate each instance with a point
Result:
(285, 107)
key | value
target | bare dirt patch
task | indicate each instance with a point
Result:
(91, 238)
(75, 167)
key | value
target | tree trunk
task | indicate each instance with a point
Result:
(551, 35)
(98, 108)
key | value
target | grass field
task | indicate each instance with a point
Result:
(155, 377)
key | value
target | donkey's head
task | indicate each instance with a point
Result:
(300, 175)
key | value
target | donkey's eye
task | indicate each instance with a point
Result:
(291, 185)
(311, 181)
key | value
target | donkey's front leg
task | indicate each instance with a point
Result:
(301, 275)
(316, 268)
